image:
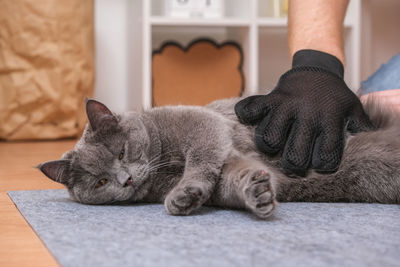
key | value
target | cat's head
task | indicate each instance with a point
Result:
(111, 162)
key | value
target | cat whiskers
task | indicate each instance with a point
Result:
(150, 169)
(165, 164)
(153, 163)
(157, 157)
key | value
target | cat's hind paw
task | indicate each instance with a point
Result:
(259, 194)
(182, 201)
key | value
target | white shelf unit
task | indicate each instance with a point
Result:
(263, 40)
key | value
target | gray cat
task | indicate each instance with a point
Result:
(186, 156)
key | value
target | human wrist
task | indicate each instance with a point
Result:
(319, 59)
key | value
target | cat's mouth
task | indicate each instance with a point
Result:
(128, 182)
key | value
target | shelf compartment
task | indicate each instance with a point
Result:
(272, 8)
(235, 9)
(221, 33)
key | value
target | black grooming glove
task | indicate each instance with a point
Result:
(306, 114)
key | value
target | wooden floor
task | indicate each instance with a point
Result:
(19, 245)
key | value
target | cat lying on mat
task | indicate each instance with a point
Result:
(187, 156)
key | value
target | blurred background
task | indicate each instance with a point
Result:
(54, 53)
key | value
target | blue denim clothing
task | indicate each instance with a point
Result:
(385, 78)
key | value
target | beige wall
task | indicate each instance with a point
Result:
(380, 34)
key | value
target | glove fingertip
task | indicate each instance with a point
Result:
(251, 109)
(359, 121)
(264, 147)
(360, 125)
(293, 171)
(326, 167)
(327, 160)
(242, 112)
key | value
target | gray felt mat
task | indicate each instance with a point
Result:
(299, 234)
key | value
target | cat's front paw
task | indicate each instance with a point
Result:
(259, 194)
(182, 201)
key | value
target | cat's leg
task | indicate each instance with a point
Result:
(246, 183)
(258, 192)
(197, 183)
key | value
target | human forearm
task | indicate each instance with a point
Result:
(317, 25)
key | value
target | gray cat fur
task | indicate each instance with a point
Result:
(187, 156)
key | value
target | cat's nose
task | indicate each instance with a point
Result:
(128, 182)
(122, 177)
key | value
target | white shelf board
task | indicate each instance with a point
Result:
(168, 21)
(271, 22)
(229, 22)
(282, 22)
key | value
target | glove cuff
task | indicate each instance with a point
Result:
(314, 58)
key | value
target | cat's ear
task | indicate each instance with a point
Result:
(99, 115)
(57, 170)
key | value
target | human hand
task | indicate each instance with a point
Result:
(389, 99)
(305, 116)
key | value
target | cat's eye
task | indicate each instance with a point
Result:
(101, 183)
(121, 154)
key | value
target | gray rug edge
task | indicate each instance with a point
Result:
(13, 194)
